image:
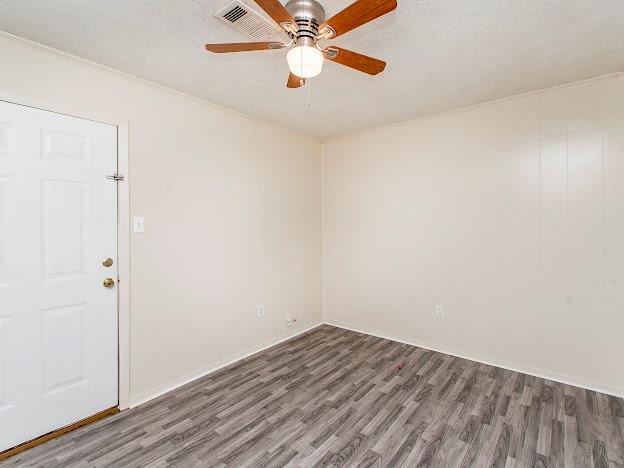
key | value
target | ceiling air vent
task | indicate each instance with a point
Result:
(247, 21)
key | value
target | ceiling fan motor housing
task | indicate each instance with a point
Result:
(309, 15)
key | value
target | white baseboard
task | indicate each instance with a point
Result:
(178, 382)
(541, 373)
(512, 366)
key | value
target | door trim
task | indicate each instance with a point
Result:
(58, 433)
(123, 224)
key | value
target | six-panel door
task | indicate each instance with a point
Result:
(58, 223)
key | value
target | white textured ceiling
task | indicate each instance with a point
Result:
(441, 54)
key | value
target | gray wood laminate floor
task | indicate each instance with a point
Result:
(334, 397)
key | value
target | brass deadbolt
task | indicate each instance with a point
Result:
(108, 262)
(108, 282)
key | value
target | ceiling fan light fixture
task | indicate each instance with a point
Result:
(305, 24)
(305, 61)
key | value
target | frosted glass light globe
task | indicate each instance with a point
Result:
(305, 61)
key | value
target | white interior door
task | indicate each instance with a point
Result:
(58, 222)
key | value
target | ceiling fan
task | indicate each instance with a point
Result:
(304, 22)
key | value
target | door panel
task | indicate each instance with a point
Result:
(58, 221)
(64, 228)
(64, 357)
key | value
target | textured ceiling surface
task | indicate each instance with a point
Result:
(441, 54)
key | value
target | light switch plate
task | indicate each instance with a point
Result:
(138, 224)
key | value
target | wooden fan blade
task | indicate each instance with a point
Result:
(294, 81)
(243, 47)
(360, 62)
(276, 10)
(359, 13)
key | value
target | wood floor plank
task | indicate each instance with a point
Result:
(333, 397)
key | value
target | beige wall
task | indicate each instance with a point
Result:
(232, 212)
(510, 215)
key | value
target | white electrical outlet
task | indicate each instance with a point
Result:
(260, 311)
(289, 320)
(439, 311)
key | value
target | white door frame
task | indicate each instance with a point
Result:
(123, 225)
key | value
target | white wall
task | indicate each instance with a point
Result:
(232, 209)
(511, 215)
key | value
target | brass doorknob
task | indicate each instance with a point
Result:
(107, 262)
(108, 282)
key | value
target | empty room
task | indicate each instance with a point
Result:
(312, 233)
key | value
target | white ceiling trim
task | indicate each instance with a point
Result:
(475, 106)
(66, 55)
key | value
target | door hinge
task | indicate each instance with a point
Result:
(115, 177)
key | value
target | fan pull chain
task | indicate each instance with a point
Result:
(309, 80)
